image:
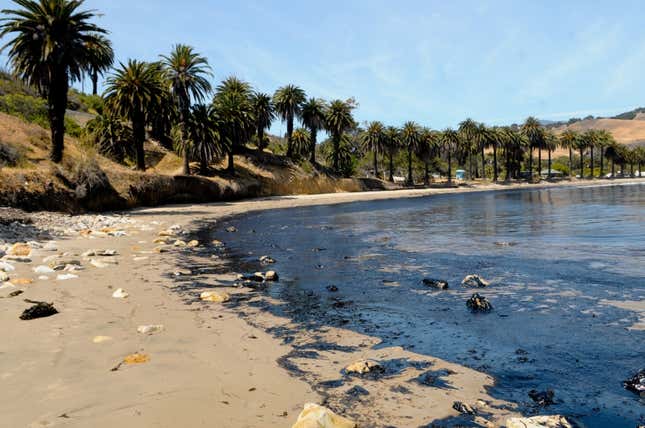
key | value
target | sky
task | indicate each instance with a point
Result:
(433, 62)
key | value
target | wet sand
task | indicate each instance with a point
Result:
(208, 367)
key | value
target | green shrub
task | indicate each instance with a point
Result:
(31, 109)
(10, 155)
(84, 102)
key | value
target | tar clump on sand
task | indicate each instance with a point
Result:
(38, 310)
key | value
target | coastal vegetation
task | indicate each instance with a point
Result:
(53, 44)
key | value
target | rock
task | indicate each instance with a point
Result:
(364, 367)
(7, 289)
(332, 288)
(231, 229)
(439, 284)
(215, 296)
(100, 253)
(43, 278)
(43, 269)
(479, 303)
(463, 408)
(100, 264)
(167, 233)
(357, 391)
(193, 244)
(553, 421)
(271, 276)
(73, 268)
(150, 329)
(120, 293)
(475, 281)
(17, 259)
(636, 383)
(315, 416)
(266, 260)
(160, 250)
(542, 398)
(163, 240)
(38, 310)
(19, 249)
(179, 243)
(4, 277)
(6, 267)
(101, 339)
(62, 263)
(217, 243)
(50, 246)
(136, 358)
(66, 276)
(18, 282)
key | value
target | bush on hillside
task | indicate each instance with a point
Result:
(9, 155)
(34, 110)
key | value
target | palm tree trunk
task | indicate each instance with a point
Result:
(539, 162)
(289, 134)
(549, 163)
(495, 162)
(631, 169)
(260, 135)
(483, 163)
(426, 176)
(410, 181)
(449, 168)
(508, 163)
(613, 168)
(531, 163)
(591, 148)
(570, 163)
(203, 166)
(602, 167)
(375, 164)
(582, 164)
(231, 163)
(57, 103)
(336, 150)
(95, 82)
(391, 167)
(139, 134)
(313, 134)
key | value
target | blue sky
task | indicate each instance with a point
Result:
(434, 62)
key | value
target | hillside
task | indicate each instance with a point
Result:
(630, 132)
(86, 181)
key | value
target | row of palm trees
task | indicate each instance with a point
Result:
(55, 43)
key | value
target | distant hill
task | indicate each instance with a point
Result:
(630, 132)
(631, 115)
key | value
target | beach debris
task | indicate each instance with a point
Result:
(66, 276)
(231, 229)
(50, 246)
(636, 383)
(215, 296)
(136, 358)
(18, 282)
(19, 249)
(100, 253)
(315, 416)
(150, 329)
(6, 267)
(463, 408)
(17, 259)
(4, 276)
(193, 244)
(542, 398)
(552, 421)
(120, 293)
(271, 276)
(266, 260)
(439, 284)
(103, 264)
(332, 288)
(363, 367)
(43, 269)
(101, 339)
(38, 310)
(357, 391)
(475, 281)
(478, 303)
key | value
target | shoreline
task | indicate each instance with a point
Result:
(209, 366)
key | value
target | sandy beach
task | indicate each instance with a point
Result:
(207, 366)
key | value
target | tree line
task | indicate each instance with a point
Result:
(54, 44)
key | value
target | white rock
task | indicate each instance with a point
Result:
(554, 421)
(4, 276)
(150, 329)
(139, 259)
(101, 339)
(6, 267)
(66, 276)
(120, 293)
(43, 269)
(475, 281)
(6, 289)
(315, 416)
(50, 246)
(43, 278)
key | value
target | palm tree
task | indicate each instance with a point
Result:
(410, 139)
(373, 140)
(288, 102)
(533, 132)
(514, 142)
(591, 139)
(338, 119)
(203, 136)
(234, 111)
(110, 135)
(264, 114)
(494, 138)
(103, 58)
(467, 130)
(313, 118)
(580, 144)
(53, 44)
(550, 143)
(187, 72)
(427, 150)
(568, 140)
(450, 140)
(481, 138)
(391, 143)
(133, 91)
(301, 141)
(604, 139)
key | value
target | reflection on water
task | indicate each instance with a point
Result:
(554, 256)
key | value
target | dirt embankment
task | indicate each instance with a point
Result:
(86, 181)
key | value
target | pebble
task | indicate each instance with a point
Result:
(120, 293)
(150, 329)
(43, 269)
(66, 276)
